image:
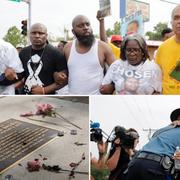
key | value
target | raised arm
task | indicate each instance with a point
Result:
(102, 31)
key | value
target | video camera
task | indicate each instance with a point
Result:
(96, 133)
(126, 138)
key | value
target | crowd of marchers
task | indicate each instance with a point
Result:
(89, 66)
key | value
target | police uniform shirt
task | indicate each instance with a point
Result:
(164, 141)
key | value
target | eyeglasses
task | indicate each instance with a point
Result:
(134, 50)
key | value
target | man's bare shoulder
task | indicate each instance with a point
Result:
(68, 45)
(103, 44)
(105, 52)
(67, 49)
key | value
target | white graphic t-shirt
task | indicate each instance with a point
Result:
(33, 78)
(9, 59)
(144, 78)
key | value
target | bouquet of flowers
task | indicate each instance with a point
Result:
(47, 110)
(42, 109)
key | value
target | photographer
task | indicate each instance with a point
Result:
(122, 149)
(121, 152)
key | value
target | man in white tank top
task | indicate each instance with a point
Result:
(86, 58)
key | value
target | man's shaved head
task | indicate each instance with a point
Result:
(39, 25)
(38, 35)
(177, 8)
(77, 19)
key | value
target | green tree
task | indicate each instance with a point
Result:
(15, 37)
(99, 174)
(115, 30)
(156, 34)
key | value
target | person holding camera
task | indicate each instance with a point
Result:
(122, 149)
(157, 159)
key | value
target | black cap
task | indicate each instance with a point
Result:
(174, 115)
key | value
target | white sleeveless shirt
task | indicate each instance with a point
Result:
(85, 71)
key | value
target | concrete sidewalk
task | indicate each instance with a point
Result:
(60, 151)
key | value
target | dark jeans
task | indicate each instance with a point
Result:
(143, 169)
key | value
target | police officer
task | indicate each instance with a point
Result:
(154, 162)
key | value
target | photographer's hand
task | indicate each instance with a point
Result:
(102, 147)
(117, 142)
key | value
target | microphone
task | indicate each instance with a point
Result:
(95, 125)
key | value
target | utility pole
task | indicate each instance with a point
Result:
(29, 17)
(66, 31)
(29, 12)
(150, 131)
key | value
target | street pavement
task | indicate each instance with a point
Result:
(60, 151)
